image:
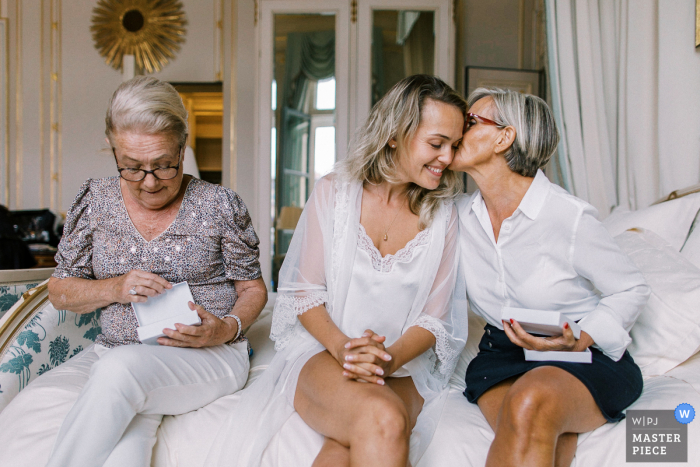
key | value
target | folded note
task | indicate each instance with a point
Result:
(558, 356)
(546, 323)
(163, 311)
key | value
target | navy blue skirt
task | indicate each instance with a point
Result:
(613, 385)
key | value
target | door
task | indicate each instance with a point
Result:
(322, 65)
(303, 113)
(399, 38)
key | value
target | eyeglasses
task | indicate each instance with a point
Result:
(161, 173)
(484, 120)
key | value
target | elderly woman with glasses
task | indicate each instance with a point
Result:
(126, 240)
(527, 243)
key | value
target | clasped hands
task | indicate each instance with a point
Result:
(365, 358)
(565, 342)
(213, 330)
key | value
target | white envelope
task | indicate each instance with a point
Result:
(163, 311)
(546, 323)
(558, 356)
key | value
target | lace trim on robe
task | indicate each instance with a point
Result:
(342, 201)
(287, 308)
(444, 355)
(404, 255)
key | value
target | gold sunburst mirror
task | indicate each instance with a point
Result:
(151, 30)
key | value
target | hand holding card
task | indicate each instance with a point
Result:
(164, 311)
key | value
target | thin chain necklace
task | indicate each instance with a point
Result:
(386, 232)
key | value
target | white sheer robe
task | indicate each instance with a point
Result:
(331, 261)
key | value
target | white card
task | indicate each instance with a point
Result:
(163, 311)
(558, 356)
(546, 323)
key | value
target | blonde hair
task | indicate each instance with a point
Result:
(397, 115)
(148, 105)
(536, 135)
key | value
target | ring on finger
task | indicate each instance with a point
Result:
(132, 291)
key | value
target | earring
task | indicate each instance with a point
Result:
(392, 146)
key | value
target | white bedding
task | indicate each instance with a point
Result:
(462, 437)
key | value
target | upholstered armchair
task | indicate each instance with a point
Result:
(35, 337)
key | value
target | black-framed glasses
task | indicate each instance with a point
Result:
(161, 173)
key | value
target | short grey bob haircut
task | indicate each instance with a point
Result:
(536, 135)
(397, 115)
(146, 105)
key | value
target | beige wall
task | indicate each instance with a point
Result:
(497, 33)
(493, 33)
(84, 85)
(679, 95)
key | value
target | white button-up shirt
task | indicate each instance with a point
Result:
(551, 254)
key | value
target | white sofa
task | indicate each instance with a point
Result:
(463, 436)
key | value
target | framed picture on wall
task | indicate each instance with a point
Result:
(525, 81)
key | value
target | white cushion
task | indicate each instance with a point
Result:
(670, 220)
(259, 336)
(667, 331)
(463, 436)
(476, 330)
(691, 248)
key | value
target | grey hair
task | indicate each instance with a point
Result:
(147, 105)
(397, 115)
(536, 135)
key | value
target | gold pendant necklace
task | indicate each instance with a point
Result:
(386, 232)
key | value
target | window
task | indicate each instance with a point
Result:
(325, 94)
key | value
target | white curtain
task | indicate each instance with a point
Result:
(604, 73)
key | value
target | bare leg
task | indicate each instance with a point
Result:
(372, 422)
(566, 450)
(332, 454)
(536, 409)
(491, 404)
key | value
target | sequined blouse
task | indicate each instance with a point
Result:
(210, 244)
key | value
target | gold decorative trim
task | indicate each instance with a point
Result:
(219, 26)
(42, 136)
(18, 106)
(17, 325)
(59, 100)
(697, 23)
(53, 78)
(233, 95)
(679, 193)
(151, 31)
(6, 110)
(353, 11)
(256, 13)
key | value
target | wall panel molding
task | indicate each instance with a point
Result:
(18, 136)
(55, 107)
(5, 106)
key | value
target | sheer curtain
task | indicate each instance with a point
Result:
(310, 56)
(604, 71)
(415, 33)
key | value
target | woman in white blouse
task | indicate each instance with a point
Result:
(365, 338)
(527, 243)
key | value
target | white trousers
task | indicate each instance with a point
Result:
(104, 406)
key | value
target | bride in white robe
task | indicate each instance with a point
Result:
(398, 305)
